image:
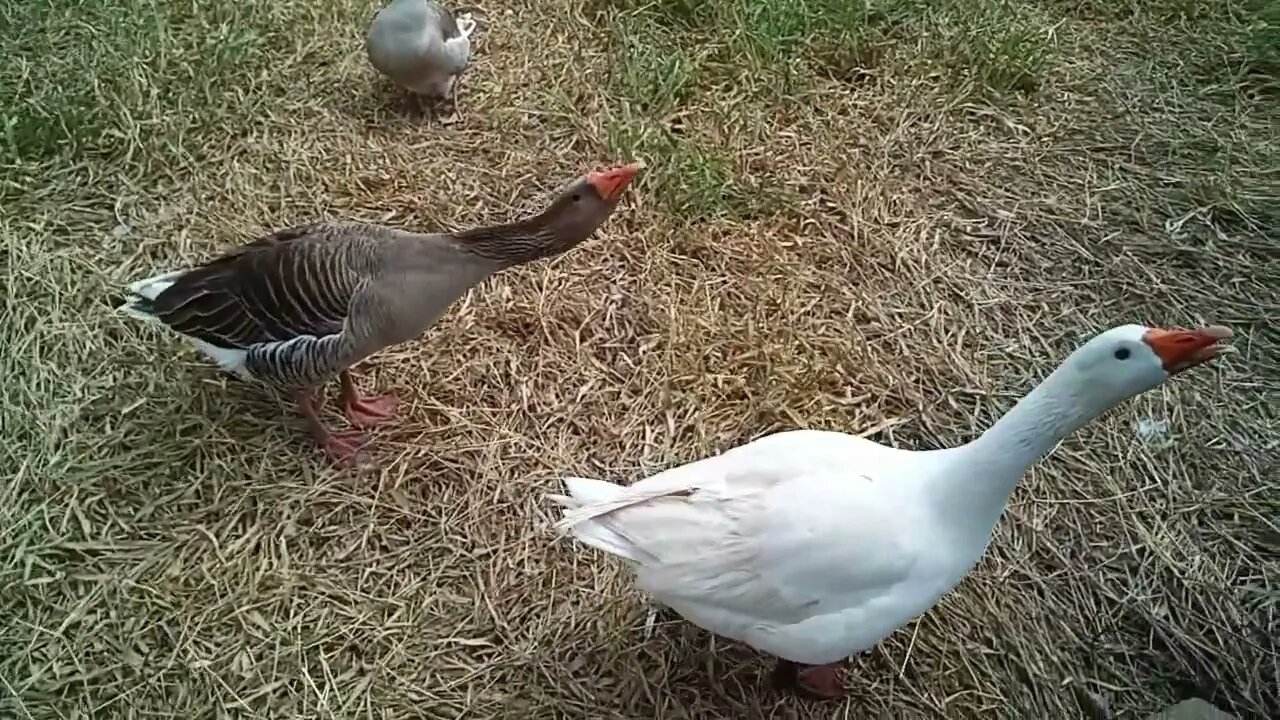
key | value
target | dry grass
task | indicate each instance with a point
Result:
(890, 220)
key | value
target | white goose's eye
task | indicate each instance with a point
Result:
(1122, 353)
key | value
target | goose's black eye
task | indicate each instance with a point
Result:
(577, 197)
(1122, 354)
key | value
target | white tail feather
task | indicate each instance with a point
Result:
(588, 500)
(228, 359)
(132, 309)
(150, 288)
(587, 491)
(599, 501)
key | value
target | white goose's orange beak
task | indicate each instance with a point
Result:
(1180, 349)
(611, 183)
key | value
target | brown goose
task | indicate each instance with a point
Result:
(299, 306)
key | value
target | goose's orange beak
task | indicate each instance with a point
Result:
(611, 183)
(1180, 349)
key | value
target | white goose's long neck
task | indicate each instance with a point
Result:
(988, 469)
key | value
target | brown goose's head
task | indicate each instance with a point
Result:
(574, 214)
(584, 205)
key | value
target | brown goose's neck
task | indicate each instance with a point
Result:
(513, 243)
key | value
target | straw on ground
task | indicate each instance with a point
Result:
(889, 216)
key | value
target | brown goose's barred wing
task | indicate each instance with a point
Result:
(293, 283)
(280, 308)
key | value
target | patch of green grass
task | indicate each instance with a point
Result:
(653, 83)
(999, 47)
(1260, 46)
(1229, 45)
(673, 14)
(694, 180)
(113, 79)
(696, 60)
(1209, 71)
(653, 76)
(999, 44)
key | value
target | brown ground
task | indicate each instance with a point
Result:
(909, 261)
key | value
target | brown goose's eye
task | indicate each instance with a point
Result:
(577, 197)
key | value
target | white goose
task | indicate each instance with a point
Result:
(813, 545)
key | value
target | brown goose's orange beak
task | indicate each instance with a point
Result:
(1180, 349)
(611, 183)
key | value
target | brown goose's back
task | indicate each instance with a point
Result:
(298, 281)
(340, 290)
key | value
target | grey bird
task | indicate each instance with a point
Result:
(297, 307)
(421, 46)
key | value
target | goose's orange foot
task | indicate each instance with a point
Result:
(343, 446)
(370, 411)
(819, 681)
(365, 411)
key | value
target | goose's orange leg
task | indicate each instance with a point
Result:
(339, 445)
(365, 411)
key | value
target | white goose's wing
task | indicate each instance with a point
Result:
(775, 533)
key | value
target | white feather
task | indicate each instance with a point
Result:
(585, 491)
(228, 359)
(595, 493)
(150, 288)
(780, 544)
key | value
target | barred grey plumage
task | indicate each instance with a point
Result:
(303, 361)
(298, 306)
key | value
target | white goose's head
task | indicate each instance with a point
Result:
(1125, 361)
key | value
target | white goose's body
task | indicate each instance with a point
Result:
(420, 46)
(808, 545)
(813, 545)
